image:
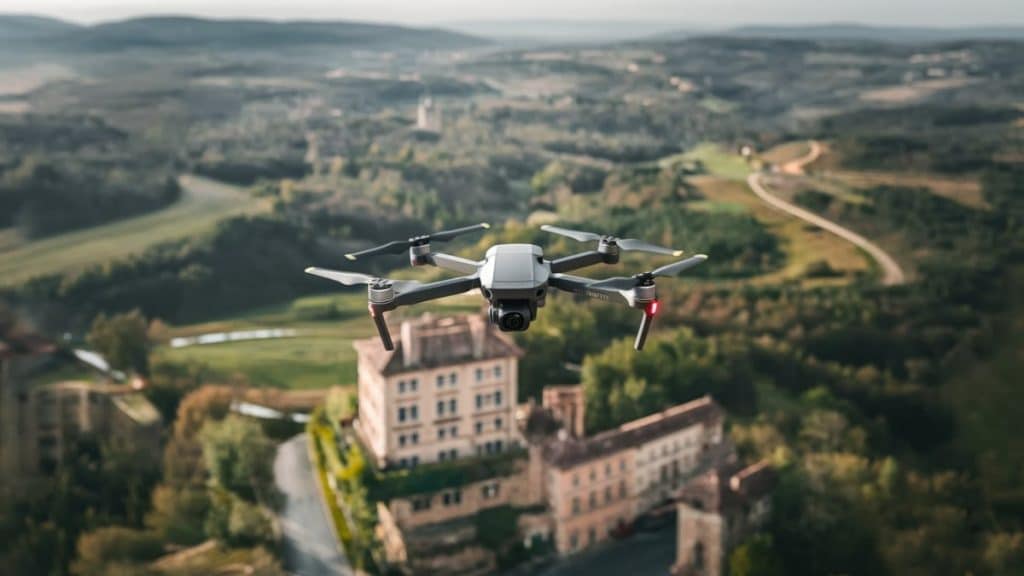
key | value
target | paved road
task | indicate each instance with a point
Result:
(892, 274)
(310, 547)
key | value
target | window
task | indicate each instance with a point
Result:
(451, 405)
(607, 494)
(401, 440)
(401, 414)
(457, 496)
(479, 427)
(575, 504)
(593, 474)
(401, 386)
(446, 499)
(490, 490)
(455, 431)
(593, 500)
(403, 463)
(440, 433)
(453, 378)
(479, 401)
(415, 461)
(574, 540)
(413, 384)
(497, 446)
(414, 412)
(497, 398)
(497, 423)
(622, 489)
(591, 536)
(497, 371)
(442, 455)
(440, 380)
(452, 498)
(607, 469)
(422, 503)
(453, 453)
(415, 437)
(575, 479)
(622, 464)
(479, 374)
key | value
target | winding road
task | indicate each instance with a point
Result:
(310, 546)
(892, 274)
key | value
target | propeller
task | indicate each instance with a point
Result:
(627, 283)
(399, 246)
(627, 244)
(356, 278)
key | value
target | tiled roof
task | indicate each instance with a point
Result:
(730, 486)
(572, 452)
(443, 341)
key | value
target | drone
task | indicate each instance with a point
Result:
(513, 278)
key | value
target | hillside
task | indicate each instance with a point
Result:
(898, 34)
(177, 32)
(24, 27)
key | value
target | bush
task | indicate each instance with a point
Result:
(98, 549)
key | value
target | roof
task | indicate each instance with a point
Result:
(137, 407)
(24, 344)
(568, 453)
(730, 486)
(440, 341)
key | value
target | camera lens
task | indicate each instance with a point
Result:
(513, 321)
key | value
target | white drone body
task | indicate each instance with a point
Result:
(513, 278)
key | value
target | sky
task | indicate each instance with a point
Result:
(945, 13)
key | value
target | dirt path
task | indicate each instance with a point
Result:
(892, 274)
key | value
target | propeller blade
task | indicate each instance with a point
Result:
(577, 235)
(346, 278)
(393, 247)
(634, 245)
(616, 283)
(399, 246)
(447, 235)
(677, 267)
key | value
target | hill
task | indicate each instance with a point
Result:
(26, 27)
(179, 32)
(898, 34)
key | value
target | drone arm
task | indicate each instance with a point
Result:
(576, 261)
(435, 290)
(453, 263)
(580, 285)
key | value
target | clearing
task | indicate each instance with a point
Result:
(203, 203)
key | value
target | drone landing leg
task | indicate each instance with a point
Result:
(382, 327)
(645, 327)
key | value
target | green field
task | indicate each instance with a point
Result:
(320, 356)
(203, 203)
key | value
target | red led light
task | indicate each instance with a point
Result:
(652, 308)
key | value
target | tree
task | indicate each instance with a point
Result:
(123, 339)
(239, 456)
(1004, 553)
(756, 557)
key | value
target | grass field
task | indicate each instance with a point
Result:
(966, 191)
(717, 161)
(320, 356)
(203, 203)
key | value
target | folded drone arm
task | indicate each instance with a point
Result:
(435, 290)
(453, 263)
(577, 261)
(580, 285)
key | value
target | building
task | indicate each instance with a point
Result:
(600, 484)
(448, 390)
(428, 116)
(716, 510)
(40, 419)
